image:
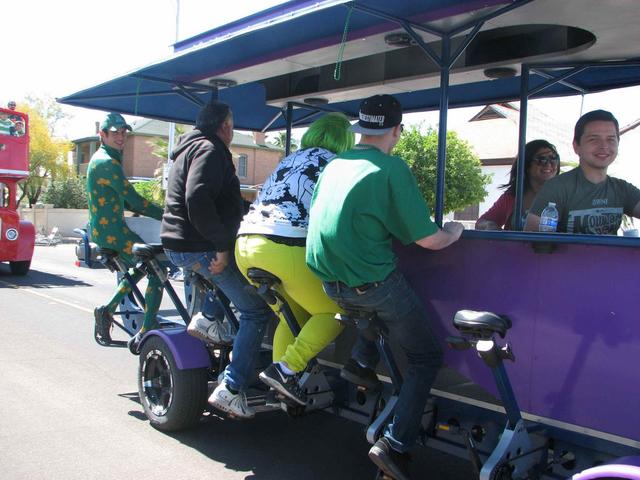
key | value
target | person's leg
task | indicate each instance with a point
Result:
(254, 315)
(360, 368)
(103, 315)
(322, 328)
(123, 289)
(152, 300)
(258, 252)
(408, 324)
(397, 305)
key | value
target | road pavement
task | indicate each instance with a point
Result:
(70, 408)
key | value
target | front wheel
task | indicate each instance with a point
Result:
(172, 399)
(20, 268)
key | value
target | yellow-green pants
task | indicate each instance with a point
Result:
(303, 291)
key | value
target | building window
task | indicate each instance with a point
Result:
(242, 166)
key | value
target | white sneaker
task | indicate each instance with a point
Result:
(235, 404)
(211, 331)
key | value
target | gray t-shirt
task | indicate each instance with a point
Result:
(586, 207)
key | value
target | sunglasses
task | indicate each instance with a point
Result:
(543, 160)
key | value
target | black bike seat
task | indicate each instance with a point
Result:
(146, 251)
(481, 323)
(259, 275)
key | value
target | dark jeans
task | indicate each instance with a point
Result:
(397, 305)
(254, 313)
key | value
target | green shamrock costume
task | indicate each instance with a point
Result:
(109, 193)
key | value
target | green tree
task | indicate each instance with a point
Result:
(48, 109)
(152, 190)
(160, 145)
(464, 181)
(66, 193)
(47, 156)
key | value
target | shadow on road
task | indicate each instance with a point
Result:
(317, 446)
(37, 279)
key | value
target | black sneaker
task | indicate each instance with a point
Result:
(103, 325)
(365, 377)
(283, 383)
(392, 463)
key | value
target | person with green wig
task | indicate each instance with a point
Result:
(272, 237)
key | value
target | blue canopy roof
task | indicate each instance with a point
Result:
(169, 90)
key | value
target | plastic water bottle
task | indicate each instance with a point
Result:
(549, 218)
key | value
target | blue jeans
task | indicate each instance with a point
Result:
(397, 305)
(254, 313)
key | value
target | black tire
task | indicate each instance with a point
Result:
(20, 268)
(172, 399)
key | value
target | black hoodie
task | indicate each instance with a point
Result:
(203, 206)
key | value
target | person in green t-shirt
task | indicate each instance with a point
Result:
(588, 200)
(364, 198)
(108, 194)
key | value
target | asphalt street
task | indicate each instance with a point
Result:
(70, 408)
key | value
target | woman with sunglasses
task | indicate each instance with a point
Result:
(541, 163)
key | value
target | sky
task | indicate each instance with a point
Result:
(61, 47)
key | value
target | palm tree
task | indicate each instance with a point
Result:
(280, 140)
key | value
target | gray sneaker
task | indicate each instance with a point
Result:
(235, 404)
(211, 331)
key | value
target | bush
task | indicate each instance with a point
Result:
(66, 193)
(151, 190)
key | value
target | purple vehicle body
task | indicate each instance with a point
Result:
(575, 328)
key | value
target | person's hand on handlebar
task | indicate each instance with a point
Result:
(454, 228)
(219, 263)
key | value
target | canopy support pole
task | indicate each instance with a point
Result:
(442, 129)
(287, 147)
(522, 142)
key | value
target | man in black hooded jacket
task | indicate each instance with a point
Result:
(202, 214)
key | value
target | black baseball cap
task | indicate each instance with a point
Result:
(378, 115)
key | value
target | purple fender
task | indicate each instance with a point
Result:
(627, 468)
(188, 351)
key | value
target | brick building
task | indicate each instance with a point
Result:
(253, 157)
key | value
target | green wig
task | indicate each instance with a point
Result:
(331, 131)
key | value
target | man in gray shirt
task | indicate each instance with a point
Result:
(588, 200)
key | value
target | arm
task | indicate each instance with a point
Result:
(484, 224)
(533, 223)
(498, 215)
(636, 210)
(449, 233)
(203, 187)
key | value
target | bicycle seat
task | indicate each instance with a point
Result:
(362, 319)
(481, 324)
(259, 275)
(106, 252)
(146, 251)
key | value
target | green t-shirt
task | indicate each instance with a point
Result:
(362, 200)
(585, 207)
